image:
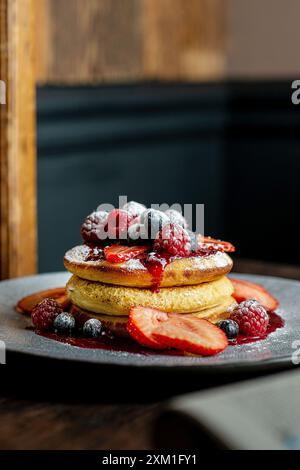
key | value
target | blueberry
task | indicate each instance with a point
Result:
(176, 218)
(153, 221)
(92, 328)
(134, 208)
(64, 323)
(230, 328)
(194, 240)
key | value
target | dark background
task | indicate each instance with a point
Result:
(233, 146)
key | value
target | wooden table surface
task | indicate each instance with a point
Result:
(46, 406)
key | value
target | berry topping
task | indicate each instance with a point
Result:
(217, 244)
(136, 233)
(191, 334)
(92, 328)
(44, 314)
(251, 317)
(120, 254)
(174, 240)
(118, 222)
(95, 253)
(141, 324)
(230, 328)
(64, 323)
(93, 228)
(176, 217)
(244, 290)
(27, 304)
(154, 221)
(134, 208)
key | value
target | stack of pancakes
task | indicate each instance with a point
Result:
(108, 291)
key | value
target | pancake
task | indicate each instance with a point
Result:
(180, 272)
(117, 325)
(118, 300)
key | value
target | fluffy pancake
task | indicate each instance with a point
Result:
(180, 272)
(117, 324)
(118, 300)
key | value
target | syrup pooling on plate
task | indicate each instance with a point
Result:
(106, 342)
(110, 343)
(275, 323)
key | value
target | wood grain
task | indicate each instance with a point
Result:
(90, 41)
(184, 40)
(17, 140)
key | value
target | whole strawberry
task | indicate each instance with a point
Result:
(252, 318)
(44, 314)
(174, 240)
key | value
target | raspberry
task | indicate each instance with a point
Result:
(251, 317)
(93, 228)
(118, 222)
(173, 239)
(44, 313)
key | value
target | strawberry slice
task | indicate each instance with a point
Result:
(141, 324)
(244, 290)
(191, 334)
(160, 330)
(120, 254)
(27, 304)
(218, 244)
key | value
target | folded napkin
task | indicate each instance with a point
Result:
(256, 414)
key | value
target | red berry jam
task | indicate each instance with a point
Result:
(111, 343)
(95, 253)
(275, 322)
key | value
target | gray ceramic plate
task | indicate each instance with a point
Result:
(275, 351)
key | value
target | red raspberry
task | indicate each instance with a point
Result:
(173, 239)
(93, 228)
(251, 317)
(118, 222)
(44, 313)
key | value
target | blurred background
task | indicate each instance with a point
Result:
(169, 101)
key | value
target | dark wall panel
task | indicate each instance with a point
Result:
(154, 144)
(234, 147)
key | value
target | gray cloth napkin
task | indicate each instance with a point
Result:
(256, 414)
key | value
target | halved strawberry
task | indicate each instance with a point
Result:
(120, 254)
(191, 334)
(27, 304)
(141, 324)
(218, 244)
(244, 290)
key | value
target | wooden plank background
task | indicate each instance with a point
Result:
(95, 41)
(17, 140)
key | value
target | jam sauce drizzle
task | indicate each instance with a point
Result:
(154, 262)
